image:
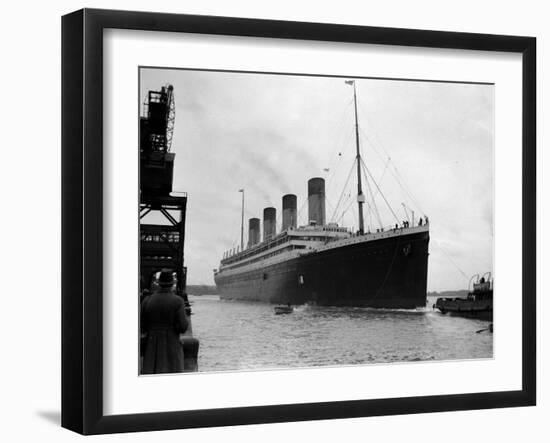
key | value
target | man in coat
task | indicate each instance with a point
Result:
(163, 319)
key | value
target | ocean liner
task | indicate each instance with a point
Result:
(325, 264)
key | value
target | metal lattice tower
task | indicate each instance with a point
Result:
(162, 240)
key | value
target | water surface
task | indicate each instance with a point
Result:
(238, 335)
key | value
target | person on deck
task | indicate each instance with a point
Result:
(163, 319)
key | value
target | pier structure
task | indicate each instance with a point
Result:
(162, 211)
(162, 243)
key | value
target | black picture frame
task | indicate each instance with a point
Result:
(82, 215)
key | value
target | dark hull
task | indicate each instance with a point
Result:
(385, 273)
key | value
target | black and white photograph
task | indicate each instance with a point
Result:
(266, 222)
(299, 221)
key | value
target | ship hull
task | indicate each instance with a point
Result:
(384, 273)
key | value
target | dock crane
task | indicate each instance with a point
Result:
(162, 241)
(162, 238)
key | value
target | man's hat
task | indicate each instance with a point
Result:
(166, 278)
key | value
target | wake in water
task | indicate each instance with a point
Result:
(311, 307)
(304, 308)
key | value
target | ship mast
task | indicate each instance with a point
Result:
(360, 196)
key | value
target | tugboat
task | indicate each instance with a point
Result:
(478, 303)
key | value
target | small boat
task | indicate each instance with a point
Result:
(283, 310)
(478, 303)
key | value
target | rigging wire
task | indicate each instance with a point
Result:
(375, 210)
(394, 172)
(387, 162)
(449, 258)
(372, 126)
(379, 190)
(353, 213)
(404, 188)
(344, 203)
(339, 146)
(340, 127)
(346, 210)
(372, 144)
(343, 191)
(300, 215)
(333, 170)
(327, 201)
(383, 174)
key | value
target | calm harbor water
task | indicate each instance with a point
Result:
(237, 335)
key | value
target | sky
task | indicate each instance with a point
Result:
(429, 147)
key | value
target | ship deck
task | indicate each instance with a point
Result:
(245, 261)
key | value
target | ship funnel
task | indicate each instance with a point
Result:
(289, 211)
(316, 201)
(270, 219)
(253, 231)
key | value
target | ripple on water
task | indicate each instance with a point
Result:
(238, 335)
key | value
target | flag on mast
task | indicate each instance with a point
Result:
(350, 82)
(241, 190)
